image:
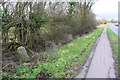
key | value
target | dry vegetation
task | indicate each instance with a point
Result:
(42, 26)
(37, 24)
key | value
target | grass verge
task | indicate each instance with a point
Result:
(62, 63)
(114, 38)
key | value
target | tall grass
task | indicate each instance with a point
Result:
(114, 40)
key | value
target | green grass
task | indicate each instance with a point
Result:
(115, 45)
(101, 26)
(62, 62)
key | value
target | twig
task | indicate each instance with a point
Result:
(6, 65)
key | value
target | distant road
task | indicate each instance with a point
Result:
(115, 28)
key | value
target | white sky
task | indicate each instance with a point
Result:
(106, 9)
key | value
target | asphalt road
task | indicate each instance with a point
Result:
(115, 28)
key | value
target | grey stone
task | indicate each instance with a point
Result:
(54, 47)
(59, 44)
(51, 46)
(77, 36)
(22, 54)
(69, 37)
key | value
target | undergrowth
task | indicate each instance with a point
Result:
(62, 63)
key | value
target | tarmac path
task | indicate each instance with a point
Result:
(102, 63)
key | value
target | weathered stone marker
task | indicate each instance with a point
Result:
(22, 54)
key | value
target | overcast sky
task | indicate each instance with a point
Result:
(106, 9)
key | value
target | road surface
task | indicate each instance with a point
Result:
(102, 63)
(115, 28)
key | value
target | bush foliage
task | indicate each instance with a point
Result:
(37, 24)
